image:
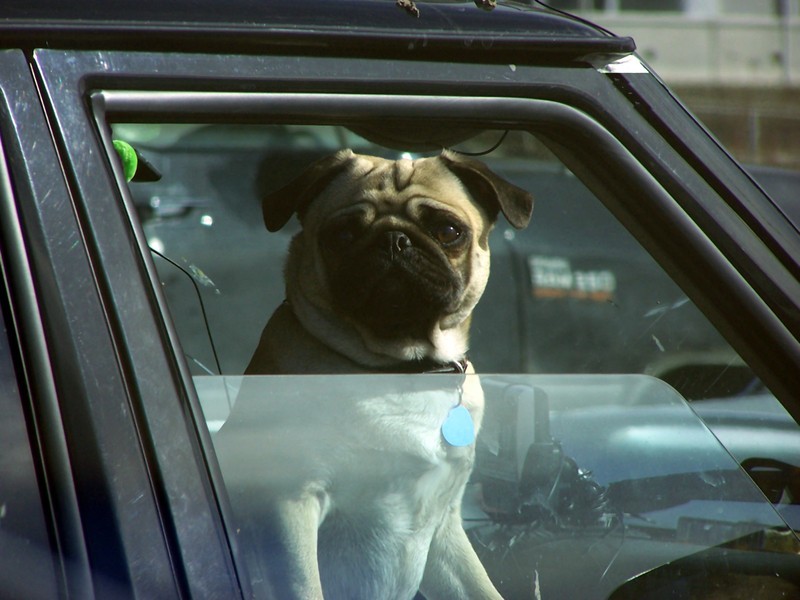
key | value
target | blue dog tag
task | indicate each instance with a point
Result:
(458, 428)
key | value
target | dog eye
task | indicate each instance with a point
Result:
(342, 235)
(447, 233)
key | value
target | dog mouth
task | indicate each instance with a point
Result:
(395, 285)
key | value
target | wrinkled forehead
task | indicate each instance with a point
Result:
(380, 180)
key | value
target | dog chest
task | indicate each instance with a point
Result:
(375, 538)
(387, 501)
(376, 459)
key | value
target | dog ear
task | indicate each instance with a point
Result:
(279, 206)
(491, 190)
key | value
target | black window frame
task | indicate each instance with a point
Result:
(30, 524)
(112, 531)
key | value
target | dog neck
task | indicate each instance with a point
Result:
(445, 348)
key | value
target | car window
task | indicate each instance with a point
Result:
(577, 293)
(595, 366)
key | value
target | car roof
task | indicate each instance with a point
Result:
(446, 29)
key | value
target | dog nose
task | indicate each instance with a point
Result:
(398, 242)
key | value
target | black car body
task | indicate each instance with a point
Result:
(655, 256)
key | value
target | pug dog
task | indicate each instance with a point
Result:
(390, 261)
(392, 258)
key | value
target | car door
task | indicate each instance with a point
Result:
(720, 243)
(106, 506)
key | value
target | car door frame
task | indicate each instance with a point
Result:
(112, 526)
(687, 221)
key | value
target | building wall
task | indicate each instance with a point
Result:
(724, 50)
(735, 63)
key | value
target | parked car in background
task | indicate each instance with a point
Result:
(638, 344)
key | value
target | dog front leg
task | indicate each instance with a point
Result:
(453, 571)
(290, 561)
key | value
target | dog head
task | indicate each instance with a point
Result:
(393, 255)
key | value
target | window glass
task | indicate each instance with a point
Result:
(571, 293)
(586, 353)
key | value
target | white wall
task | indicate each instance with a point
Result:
(736, 64)
(750, 50)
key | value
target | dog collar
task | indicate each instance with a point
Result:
(454, 366)
(427, 365)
